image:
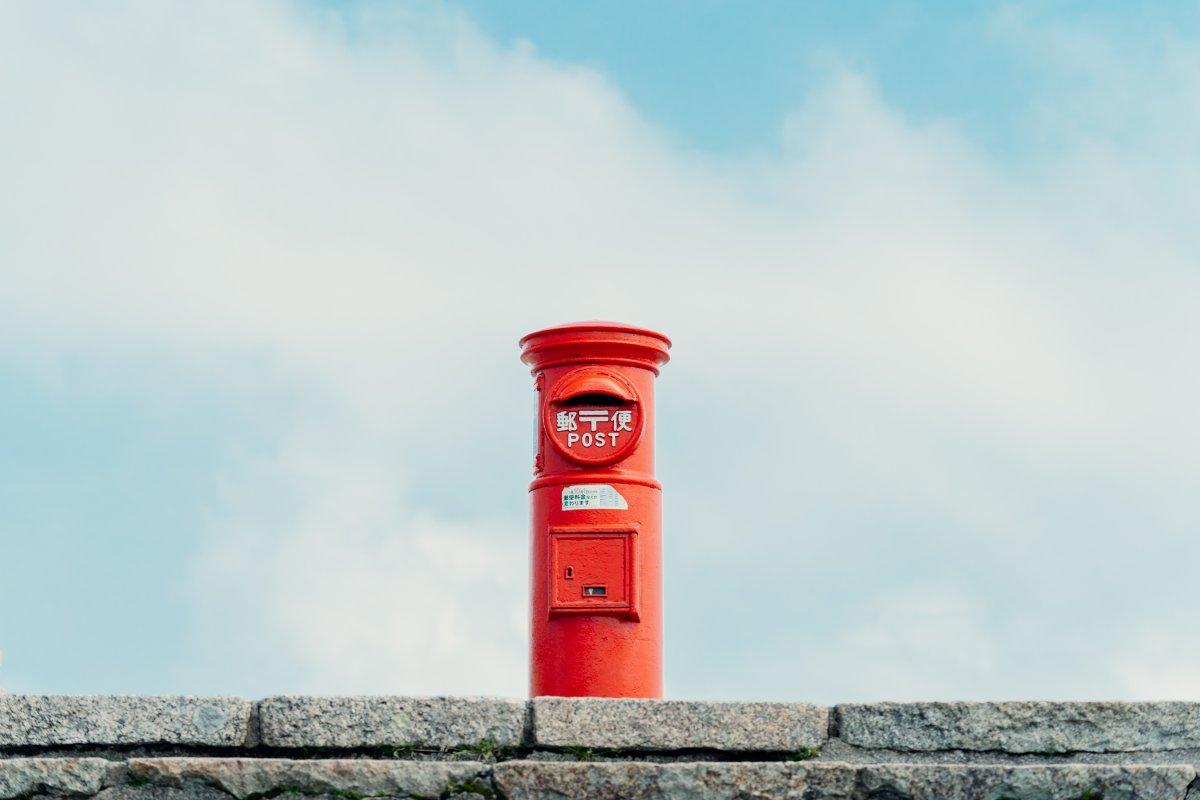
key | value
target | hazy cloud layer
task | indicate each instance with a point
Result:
(929, 429)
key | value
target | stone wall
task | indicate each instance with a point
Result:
(214, 748)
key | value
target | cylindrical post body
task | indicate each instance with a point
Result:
(596, 512)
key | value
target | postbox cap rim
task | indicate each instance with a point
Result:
(595, 342)
(595, 325)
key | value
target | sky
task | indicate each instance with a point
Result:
(932, 272)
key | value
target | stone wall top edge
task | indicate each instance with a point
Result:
(395, 722)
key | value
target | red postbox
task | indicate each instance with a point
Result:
(596, 512)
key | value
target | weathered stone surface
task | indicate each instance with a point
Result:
(342, 722)
(677, 725)
(20, 777)
(48, 720)
(532, 780)
(528, 780)
(147, 792)
(250, 777)
(837, 750)
(1021, 727)
(1060, 782)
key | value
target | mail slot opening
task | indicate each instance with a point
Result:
(595, 591)
(593, 399)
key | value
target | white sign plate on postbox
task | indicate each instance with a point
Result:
(591, 495)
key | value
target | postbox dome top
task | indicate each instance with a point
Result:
(595, 342)
(596, 325)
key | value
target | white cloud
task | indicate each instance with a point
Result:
(359, 592)
(914, 642)
(937, 364)
(1158, 662)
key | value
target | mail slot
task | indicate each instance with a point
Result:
(593, 416)
(595, 512)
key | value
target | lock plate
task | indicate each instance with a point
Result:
(593, 571)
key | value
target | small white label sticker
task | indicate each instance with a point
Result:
(591, 495)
